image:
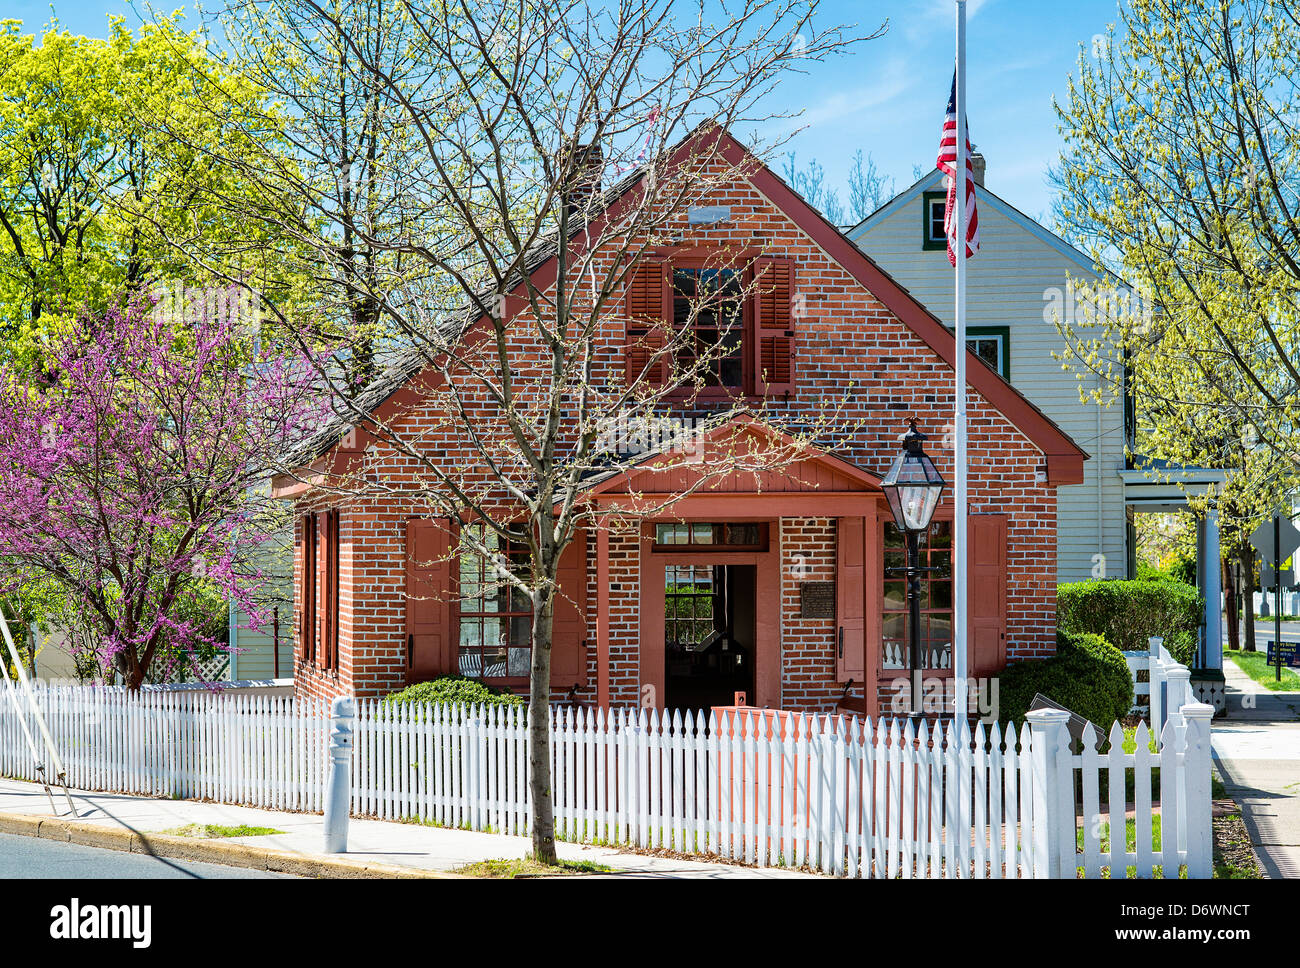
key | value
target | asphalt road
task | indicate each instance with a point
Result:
(30, 857)
(1264, 632)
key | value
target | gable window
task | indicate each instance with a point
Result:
(932, 208)
(992, 345)
(496, 618)
(709, 303)
(936, 598)
(729, 322)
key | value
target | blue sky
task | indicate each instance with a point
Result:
(887, 97)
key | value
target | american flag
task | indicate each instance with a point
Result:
(947, 163)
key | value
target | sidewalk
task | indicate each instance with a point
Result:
(1257, 753)
(375, 848)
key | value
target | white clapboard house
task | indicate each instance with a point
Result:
(1016, 285)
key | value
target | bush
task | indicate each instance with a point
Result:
(1087, 676)
(453, 689)
(1126, 613)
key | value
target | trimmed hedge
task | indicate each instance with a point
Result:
(1087, 675)
(1127, 613)
(453, 689)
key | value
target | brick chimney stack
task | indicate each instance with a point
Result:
(977, 166)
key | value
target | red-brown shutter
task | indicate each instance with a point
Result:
(987, 593)
(648, 308)
(328, 597)
(850, 600)
(430, 643)
(307, 612)
(774, 336)
(569, 617)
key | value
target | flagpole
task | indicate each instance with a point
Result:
(959, 417)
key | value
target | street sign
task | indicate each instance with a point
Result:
(1262, 540)
(1289, 655)
(1268, 581)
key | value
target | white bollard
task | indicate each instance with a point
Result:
(339, 787)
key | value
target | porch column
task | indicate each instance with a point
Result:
(1212, 569)
(602, 612)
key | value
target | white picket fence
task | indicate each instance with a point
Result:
(841, 796)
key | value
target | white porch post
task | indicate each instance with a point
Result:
(1213, 570)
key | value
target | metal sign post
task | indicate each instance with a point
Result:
(1276, 540)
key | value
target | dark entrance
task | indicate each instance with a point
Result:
(708, 634)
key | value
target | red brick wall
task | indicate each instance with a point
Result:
(807, 644)
(851, 351)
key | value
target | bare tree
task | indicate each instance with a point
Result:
(521, 162)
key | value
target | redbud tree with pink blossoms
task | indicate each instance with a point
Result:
(132, 471)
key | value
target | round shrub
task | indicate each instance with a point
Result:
(1127, 613)
(453, 689)
(1087, 676)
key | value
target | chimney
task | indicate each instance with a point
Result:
(977, 167)
(586, 165)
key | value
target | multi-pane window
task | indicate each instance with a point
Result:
(723, 535)
(932, 233)
(495, 635)
(936, 598)
(709, 303)
(690, 598)
(990, 345)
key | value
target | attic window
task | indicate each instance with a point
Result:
(932, 234)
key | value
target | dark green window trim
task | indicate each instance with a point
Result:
(926, 241)
(974, 332)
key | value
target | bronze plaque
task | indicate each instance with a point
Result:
(817, 599)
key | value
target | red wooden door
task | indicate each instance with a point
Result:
(987, 593)
(430, 645)
(851, 600)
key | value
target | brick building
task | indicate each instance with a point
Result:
(777, 583)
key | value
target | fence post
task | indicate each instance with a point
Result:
(1049, 744)
(1196, 789)
(1156, 683)
(1179, 694)
(339, 786)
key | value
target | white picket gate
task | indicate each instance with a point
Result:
(842, 796)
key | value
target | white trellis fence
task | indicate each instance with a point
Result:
(842, 796)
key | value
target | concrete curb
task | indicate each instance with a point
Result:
(206, 851)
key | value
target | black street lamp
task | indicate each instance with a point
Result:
(912, 487)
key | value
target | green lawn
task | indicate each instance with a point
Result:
(1255, 666)
(213, 831)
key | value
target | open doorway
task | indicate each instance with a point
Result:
(709, 634)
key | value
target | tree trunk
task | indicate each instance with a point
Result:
(1247, 555)
(1230, 587)
(539, 733)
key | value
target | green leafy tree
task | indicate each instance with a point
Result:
(1180, 172)
(108, 182)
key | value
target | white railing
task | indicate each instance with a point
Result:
(842, 796)
(1168, 684)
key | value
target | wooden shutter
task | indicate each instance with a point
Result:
(987, 593)
(569, 621)
(327, 652)
(430, 642)
(648, 307)
(850, 600)
(307, 611)
(774, 337)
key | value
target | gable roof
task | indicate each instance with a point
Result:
(1064, 457)
(932, 181)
